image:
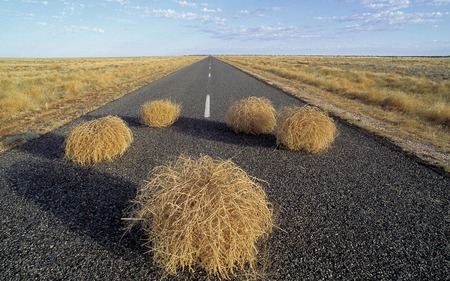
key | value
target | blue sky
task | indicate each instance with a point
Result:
(65, 28)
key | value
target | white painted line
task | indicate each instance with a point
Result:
(210, 67)
(209, 74)
(207, 106)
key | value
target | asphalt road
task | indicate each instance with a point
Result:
(362, 210)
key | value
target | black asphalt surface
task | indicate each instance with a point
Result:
(363, 210)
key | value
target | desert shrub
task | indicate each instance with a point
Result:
(159, 113)
(305, 128)
(73, 87)
(98, 140)
(21, 138)
(439, 113)
(252, 115)
(400, 101)
(203, 213)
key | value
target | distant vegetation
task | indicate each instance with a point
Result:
(411, 86)
(35, 83)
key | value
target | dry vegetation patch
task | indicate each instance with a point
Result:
(253, 115)
(99, 140)
(404, 99)
(204, 213)
(38, 95)
(159, 113)
(305, 128)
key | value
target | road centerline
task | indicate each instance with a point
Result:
(207, 106)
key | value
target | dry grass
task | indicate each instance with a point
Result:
(159, 113)
(38, 95)
(406, 94)
(204, 213)
(404, 99)
(252, 115)
(305, 128)
(98, 140)
(32, 83)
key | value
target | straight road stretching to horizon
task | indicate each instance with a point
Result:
(361, 210)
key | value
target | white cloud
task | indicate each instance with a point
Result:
(388, 15)
(437, 2)
(262, 12)
(41, 23)
(170, 13)
(21, 15)
(121, 2)
(263, 32)
(35, 2)
(190, 4)
(386, 4)
(396, 4)
(206, 10)
(68, 9)
(186, 4)
(82, 28)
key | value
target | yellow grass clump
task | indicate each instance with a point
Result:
(252, 115)
(305, 128)
(98, 140)
(204, 213)
(159, 113)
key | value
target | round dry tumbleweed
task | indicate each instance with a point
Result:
(305, 128)
(252, 115)
(98, 140)
(203, 213)
(159, 113)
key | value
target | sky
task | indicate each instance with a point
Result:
(123, 28)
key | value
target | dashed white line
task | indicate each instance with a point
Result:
(209, 74)
(207, 106)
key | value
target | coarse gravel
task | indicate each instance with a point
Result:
(363, 210)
